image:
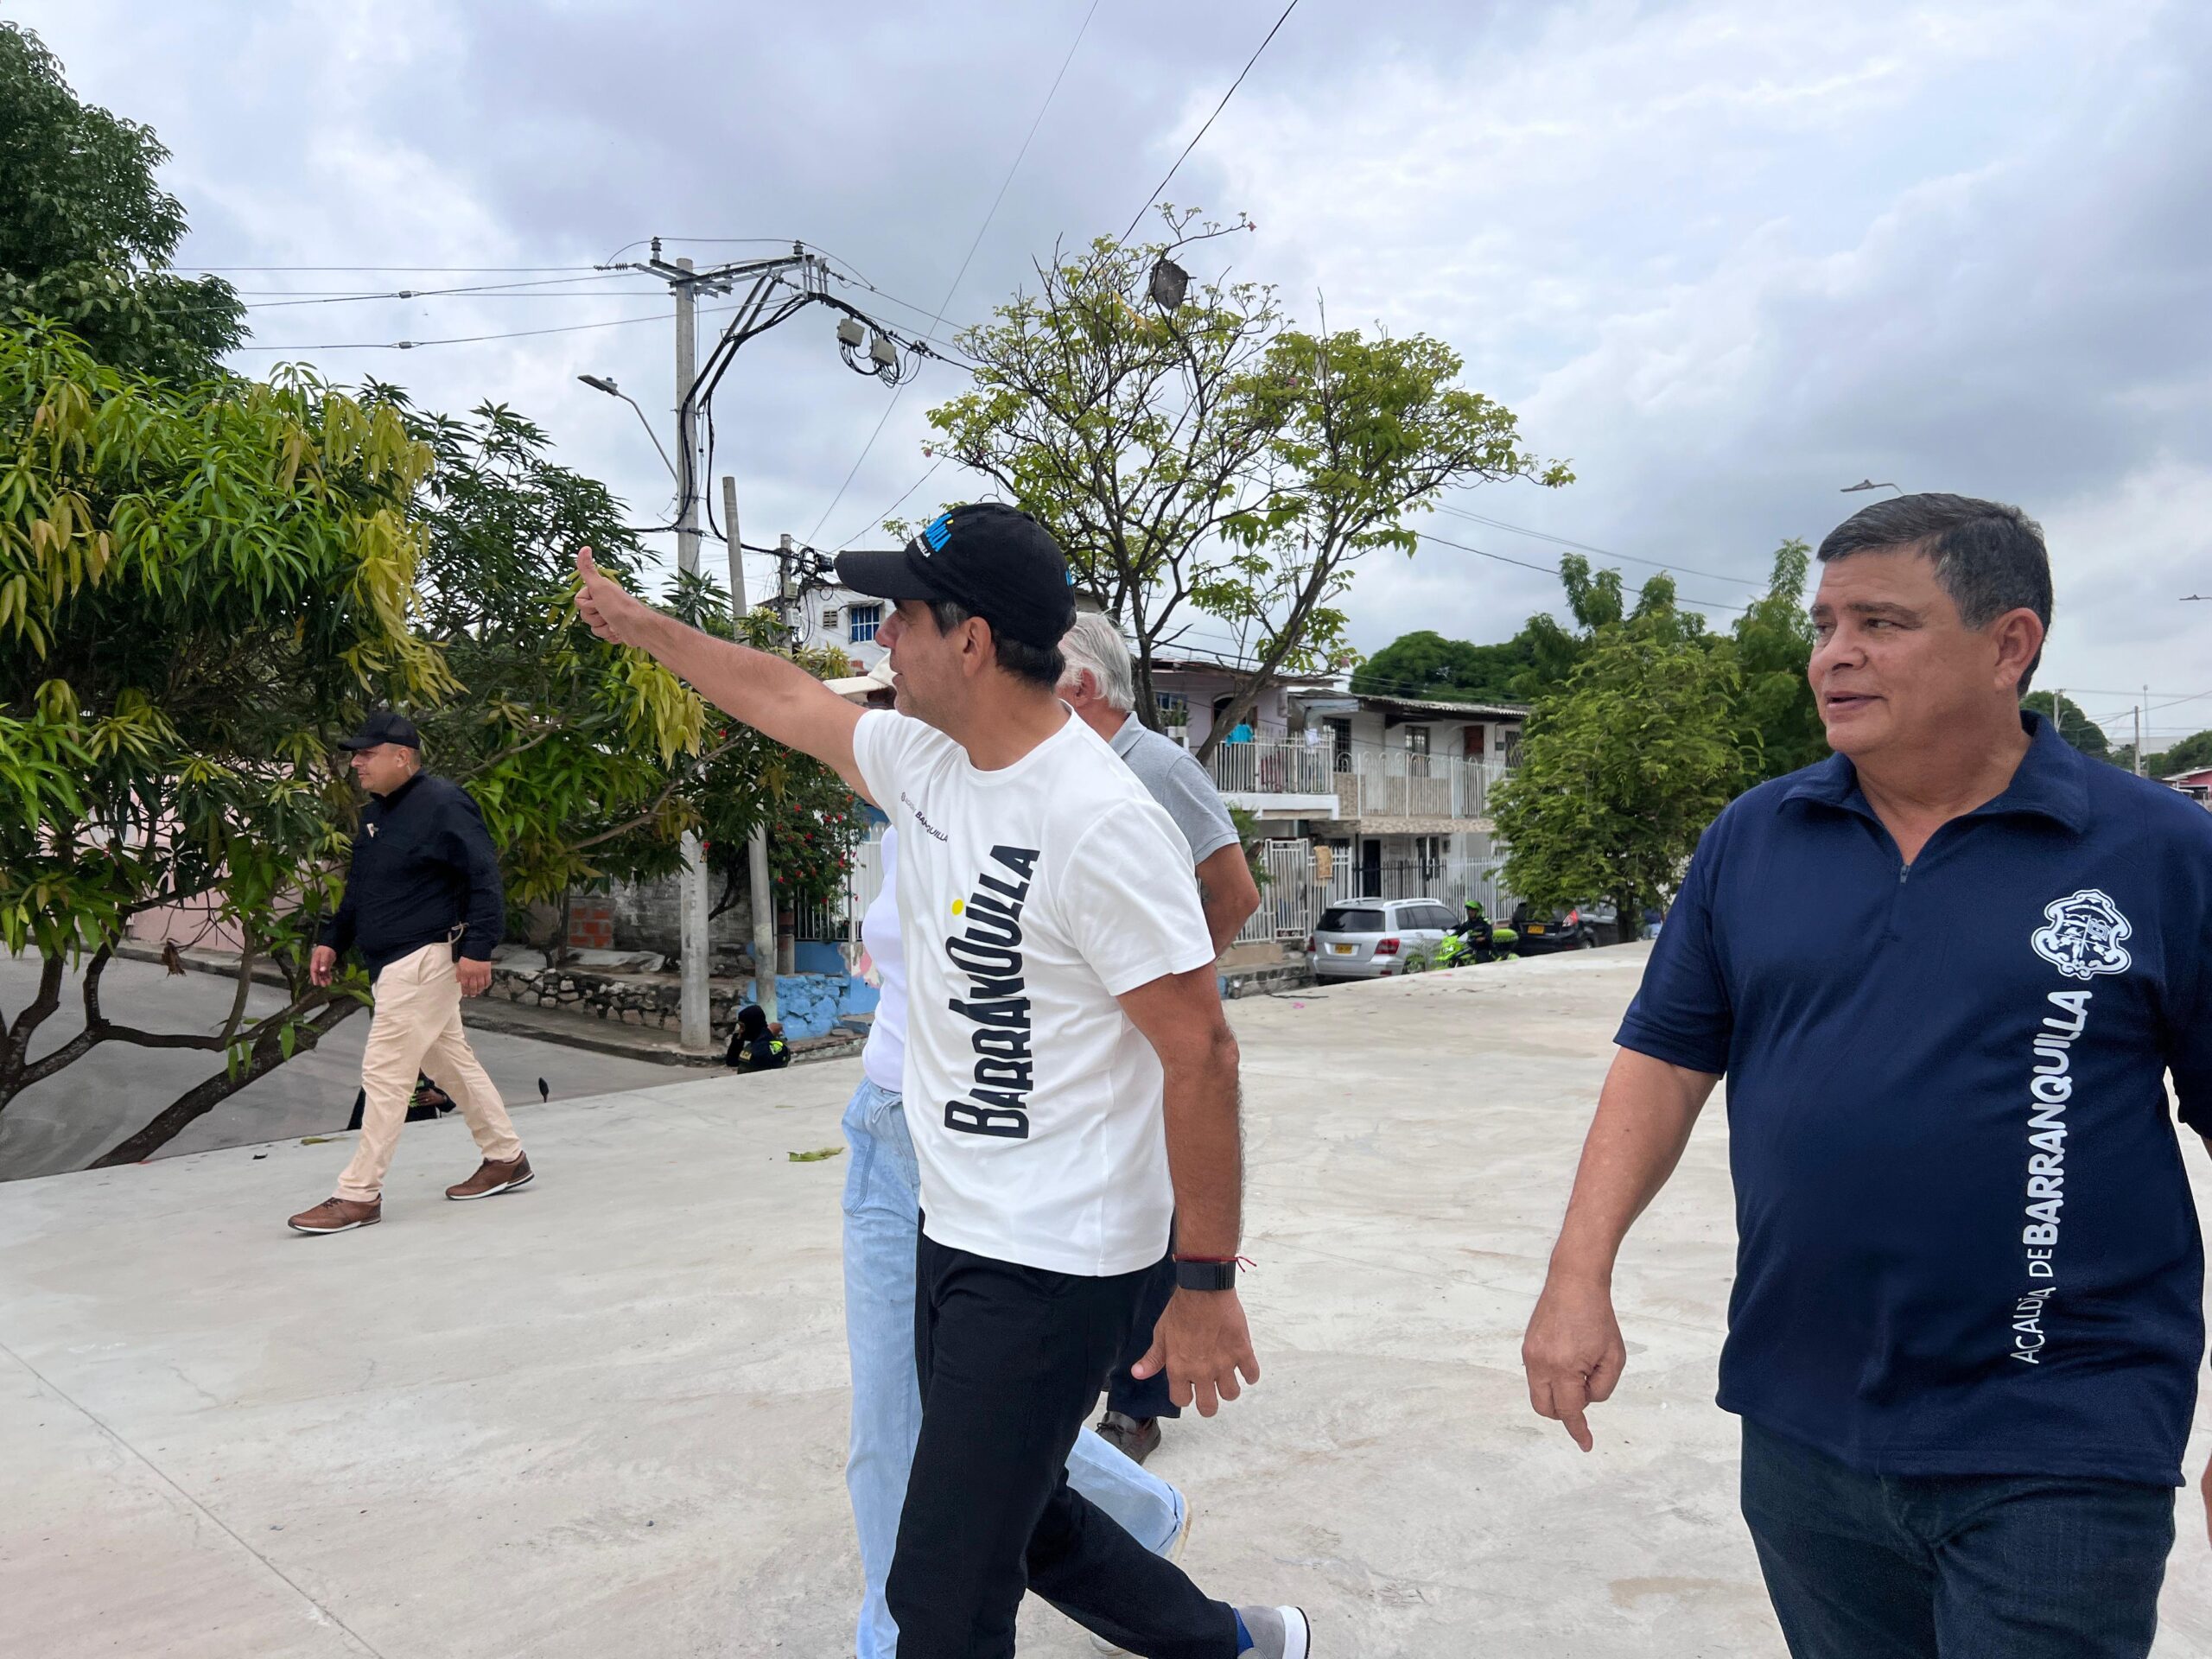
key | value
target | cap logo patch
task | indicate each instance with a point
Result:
(937, 533)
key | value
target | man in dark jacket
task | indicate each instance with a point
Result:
(422, 906)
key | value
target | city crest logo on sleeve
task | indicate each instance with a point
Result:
(2081, 936)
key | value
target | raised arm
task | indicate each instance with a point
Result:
(1202, 1340)
(775, 696)
(1572, 1352)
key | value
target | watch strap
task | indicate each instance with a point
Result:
(1204, 1276)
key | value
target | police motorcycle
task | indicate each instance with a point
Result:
(1475, 940)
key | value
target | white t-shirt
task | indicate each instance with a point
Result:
(883, 1060)
(1029, 898)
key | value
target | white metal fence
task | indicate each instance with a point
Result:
(1369, 780)
(839, 921)
(1449, 881)
(1287, 893)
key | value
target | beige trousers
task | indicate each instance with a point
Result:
(416, 1027)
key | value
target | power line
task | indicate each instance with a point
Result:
(465, 339)
(1217, 108)
(1554, 570)
(953, 288)
(397, 270)
(1583, 547)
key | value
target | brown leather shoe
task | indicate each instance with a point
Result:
(491, 1178)
(338, 1215)
(1135, 1438)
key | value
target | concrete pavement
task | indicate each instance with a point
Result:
(72, 1117)
(606, 1415)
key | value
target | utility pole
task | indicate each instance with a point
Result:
(756, 849)
(781, 287)
(695, 1023)
(2138, 731)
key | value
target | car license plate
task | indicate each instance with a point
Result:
(1343, 950)
(1535, 929)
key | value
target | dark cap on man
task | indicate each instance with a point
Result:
(993, 561)
(382, 726)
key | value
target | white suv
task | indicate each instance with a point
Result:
(1375, 938)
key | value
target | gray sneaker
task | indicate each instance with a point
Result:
(1278, 1632)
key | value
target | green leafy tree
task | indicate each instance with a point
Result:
(813, 819)
(2074, 725)
(2192, 754)
(1198, 458)
(1361, 433)
(1426, 665)
(1772, 643)
(1129, 430)
(584, 761)
(200, 590)
(1622, 768)
(87, 233)
(196, 589)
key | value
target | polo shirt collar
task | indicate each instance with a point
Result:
(2049, 783)
(1126, 738)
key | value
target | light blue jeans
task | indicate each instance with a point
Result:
(883, 1201)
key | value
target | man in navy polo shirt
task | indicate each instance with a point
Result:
(1946, 972)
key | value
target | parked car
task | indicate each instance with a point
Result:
(1569, 927)
(1377, 938)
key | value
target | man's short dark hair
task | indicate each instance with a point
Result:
(1989, 558)
(1040, 665)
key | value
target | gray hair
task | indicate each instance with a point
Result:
(1989, 558)
(1096, 643)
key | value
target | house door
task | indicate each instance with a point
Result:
(1340, 745)
(1371, 867)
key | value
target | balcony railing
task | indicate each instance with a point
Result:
(1369, 780)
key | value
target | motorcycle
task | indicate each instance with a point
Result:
(1475, 941)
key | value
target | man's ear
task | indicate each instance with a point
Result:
(978, 653)
(2019, 636)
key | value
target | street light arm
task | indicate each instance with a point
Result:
(597, 384)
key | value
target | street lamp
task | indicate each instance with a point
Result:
(600, 382)
(1866, 484)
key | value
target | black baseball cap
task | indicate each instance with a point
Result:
(992, 560)
(383, 726)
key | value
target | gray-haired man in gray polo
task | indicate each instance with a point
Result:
(1101, 689)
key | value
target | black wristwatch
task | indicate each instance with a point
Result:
(1204, 1276)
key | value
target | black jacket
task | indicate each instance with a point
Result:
(423, 866)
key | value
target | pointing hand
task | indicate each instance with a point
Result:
(612, 612)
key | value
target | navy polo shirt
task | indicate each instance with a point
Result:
(1966, 1244)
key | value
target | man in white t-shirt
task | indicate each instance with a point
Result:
(1070, 1077)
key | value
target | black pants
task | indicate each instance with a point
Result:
(1010, 1360)
(1124, 1393)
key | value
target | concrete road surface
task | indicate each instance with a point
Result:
(72, 1117)
(606, 1415)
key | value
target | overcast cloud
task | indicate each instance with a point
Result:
(1725, 256)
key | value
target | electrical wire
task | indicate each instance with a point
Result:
(1582, 547)
(1201, 132)
(953, 288)
(459, 339)
(374, 270)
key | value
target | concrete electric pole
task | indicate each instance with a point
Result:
(695, 1024)
(781, 287)
(756, 849)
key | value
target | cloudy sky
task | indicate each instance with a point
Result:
(1725, 256)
